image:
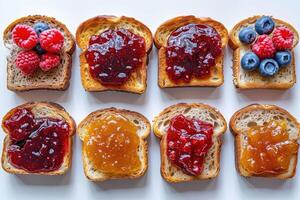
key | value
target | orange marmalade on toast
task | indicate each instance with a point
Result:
(112, 145)
(268, 149)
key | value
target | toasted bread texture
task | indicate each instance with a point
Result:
(257, 114)
(95, 26)
(203, 112)
(40, 109)
(161, 39)
(243, 79)
(56, 79)
(143, 126)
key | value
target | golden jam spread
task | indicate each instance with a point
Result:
(191, 52)
(268, 150)
(112, 145)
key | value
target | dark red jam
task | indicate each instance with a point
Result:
(114, 55)
(191, 51)
(36, 144)
(188, 141)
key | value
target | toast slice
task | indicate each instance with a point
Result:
(40, 109)
(56, 79)
(284, 79)
(143, 126)
(258, 115)
(161, 38)
(95, 26)
(203, 112)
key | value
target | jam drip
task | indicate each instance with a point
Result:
(112, 145)
(188, 141)
(191, 51)
(36, 144)
(114, 54)
(268, 149)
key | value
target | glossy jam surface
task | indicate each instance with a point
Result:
(269, 149)
(114, 54)
(191, 52)
(188, 141)
(37, 144)
(112, 145)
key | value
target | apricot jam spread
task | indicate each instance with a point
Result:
(114, 54)
(112, 145)
(188, 141)
(268, 149)
(36, 144)
(191, 52)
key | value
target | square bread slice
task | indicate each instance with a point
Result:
(137, 83)
(56, 79)
(161, 38)
(206, 113)
(144, 128)
(284, 79)
(40, 109)
(258, 115)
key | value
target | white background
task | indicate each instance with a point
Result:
(74, 185)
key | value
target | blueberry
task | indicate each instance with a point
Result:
(39, 49)
(40, 27)
(283, 58)
(268, 67)
(264, 25)
(247, 35)
(250, 61)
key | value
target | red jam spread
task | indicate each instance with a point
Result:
(114, 54)
(268, 149)
(36, 144)
(191, 52)
(188, 141)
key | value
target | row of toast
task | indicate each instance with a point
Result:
(115, 53)
(114, 141)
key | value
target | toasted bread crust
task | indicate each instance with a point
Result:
(236, 46)
(68, 51)
(163, 144)
(143, 141)
(238, 143)
(99, 24)
(59, 110)
(160, 40)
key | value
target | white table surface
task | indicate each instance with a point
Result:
(74, 185)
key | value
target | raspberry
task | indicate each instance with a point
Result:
(263, 47)
(283, 38)
(49, 61)
(24, 36)
(27, 62)
(52, 40)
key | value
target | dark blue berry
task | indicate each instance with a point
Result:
(39, 49)
(247, 35)
(283, 58)
(250, 61)
(264, 25)
(40, 27)
(268, 67)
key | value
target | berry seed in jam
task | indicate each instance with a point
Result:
(188, 141)
(36, 144)
(191, 52)
(114, 54)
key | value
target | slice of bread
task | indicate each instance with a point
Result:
(161, 39)
(143, 126)
(40, 109)
(56, 79)
(203, 112)
(284, 79)
(258, 115)
(95, 26)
